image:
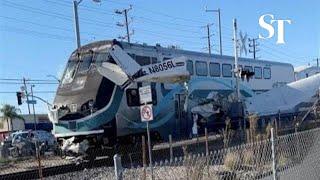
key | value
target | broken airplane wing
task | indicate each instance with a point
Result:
(286, 98)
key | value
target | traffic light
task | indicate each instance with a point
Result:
(19, 98)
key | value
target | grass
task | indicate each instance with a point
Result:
(3, 161)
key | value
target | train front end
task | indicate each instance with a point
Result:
(86, 102)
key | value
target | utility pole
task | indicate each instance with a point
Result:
(34, 112)
(125, 13)
(236, 70)
(253, 44)
(26, 92)
(219, 18)
(208, 34)
(208, 37)
(317, 65)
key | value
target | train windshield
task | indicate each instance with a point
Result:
(75, 65)
(85, 61)
(70, 70)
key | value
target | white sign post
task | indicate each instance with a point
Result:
(146, 114)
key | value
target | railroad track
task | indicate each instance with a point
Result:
(55, 170)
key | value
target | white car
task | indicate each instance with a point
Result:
(39, 135)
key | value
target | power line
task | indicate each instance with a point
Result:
(169, 35)
(84, 7)
(282, 54)
(47, 83)
(148, 10)
(140, 17)
(54, 14)
(57, 15)
(70, 19)
(35, 33)
(157, 35)
(35, 92)
(16, 79)
(44, 25)
(284, 51)
(167, 25)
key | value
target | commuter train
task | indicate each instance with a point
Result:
(91, 106)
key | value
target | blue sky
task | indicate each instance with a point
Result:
(36, 36)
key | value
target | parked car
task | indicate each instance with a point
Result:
(11, 135)
(45, 137)
(39, 136)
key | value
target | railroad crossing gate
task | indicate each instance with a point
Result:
(146, 113)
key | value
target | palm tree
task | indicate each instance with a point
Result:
(9, 113)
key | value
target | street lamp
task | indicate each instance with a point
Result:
(76, 19)
(220, 38)
(54, 77)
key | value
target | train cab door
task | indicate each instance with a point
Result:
(181, 123)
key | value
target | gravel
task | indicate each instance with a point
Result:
(86, 174)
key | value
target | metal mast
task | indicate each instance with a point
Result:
(236, 70)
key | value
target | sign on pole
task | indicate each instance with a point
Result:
(145, 94)
(31, 101)
(146, 112)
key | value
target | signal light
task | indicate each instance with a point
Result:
(19, 98)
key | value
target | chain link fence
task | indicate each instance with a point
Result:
(224, 155)
(295, 156)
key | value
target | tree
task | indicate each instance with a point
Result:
(9, 113)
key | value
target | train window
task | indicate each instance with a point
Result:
(190, 67)
(257, 72)
(226, 70)
(248, 68)
(85, 62)
(267, 73)
(166, 58)
(133, 56)
(154, 60)
(143, 60)
(100, 58)
(201, 68)
(70, 71)
(73, 125)
(215, 69)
